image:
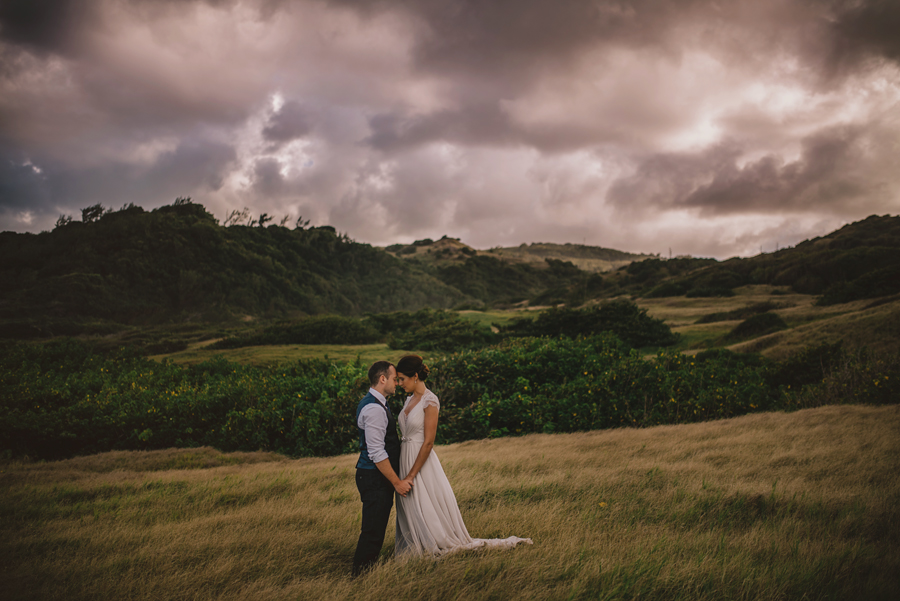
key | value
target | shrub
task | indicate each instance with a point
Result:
(758, 325)
(667, 289)
(623, 318)
(64, 398)
(860, 377)
(450, 334)
(810, 365)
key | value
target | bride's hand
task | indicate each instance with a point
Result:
(403, 487)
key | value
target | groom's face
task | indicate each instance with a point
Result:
(391, 383)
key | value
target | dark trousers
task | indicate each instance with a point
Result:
(377, 495)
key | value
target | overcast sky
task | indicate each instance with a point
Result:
(711, 127)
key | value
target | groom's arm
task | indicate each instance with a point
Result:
(401, 486)
(374, 422)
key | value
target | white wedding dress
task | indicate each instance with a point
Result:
(428, 518)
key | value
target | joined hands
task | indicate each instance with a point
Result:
(403, 487)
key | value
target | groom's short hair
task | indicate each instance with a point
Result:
(378, 369)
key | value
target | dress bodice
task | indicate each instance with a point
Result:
(412, 425)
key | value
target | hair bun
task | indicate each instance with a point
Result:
(412, 365)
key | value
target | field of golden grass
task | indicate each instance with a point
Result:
(875, 324)
(802, 505)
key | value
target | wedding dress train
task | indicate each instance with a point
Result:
(428, 518)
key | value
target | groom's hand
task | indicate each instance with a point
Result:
(403, 487)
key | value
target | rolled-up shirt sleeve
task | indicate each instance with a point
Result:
(374, 422)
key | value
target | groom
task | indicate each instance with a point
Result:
(378, 465)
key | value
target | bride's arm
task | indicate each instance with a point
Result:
(431, 420)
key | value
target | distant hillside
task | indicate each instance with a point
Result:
(176, 263)
(859, 261)
(588, 258)
(497, 277)
(592, 259)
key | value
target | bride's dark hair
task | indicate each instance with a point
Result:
(412, 365)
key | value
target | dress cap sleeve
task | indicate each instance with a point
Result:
(429, 399)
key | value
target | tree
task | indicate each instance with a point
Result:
(182, 200)
(301, 224)
(63, 220)
(92, 213)
(235, 217)
(263, 219)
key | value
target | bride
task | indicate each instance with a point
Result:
(428, 518)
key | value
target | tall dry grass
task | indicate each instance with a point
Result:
(765, 506)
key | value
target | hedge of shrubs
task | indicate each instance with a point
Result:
(62, 398)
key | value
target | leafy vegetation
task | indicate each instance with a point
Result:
(177, 263)
(624, 318)
(758, 325)
(63, 398)
(449, 334)
(495, 281)
(859, 261)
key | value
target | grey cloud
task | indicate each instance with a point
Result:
(21, 185)
(267, 179)
(475, 125)
(289, 123)
(511, 34)
(194, 164)
(825, 177)
(463, 117)
(193, 169)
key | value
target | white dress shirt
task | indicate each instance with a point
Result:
(374, 422)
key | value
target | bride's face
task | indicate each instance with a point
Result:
(406, 383)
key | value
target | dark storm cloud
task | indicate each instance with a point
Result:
(54, 189)
(868, 27)
(505, 121)
(21, 185)
(516, 39)
(484, 36)
(44, 25)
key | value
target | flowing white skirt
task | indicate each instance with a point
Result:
(428, 518)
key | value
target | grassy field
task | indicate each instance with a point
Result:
(875, 324)
(766, 506)
(269, 354)
(860, 323)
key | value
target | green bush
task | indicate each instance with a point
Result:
(65, 398)
(810, 365)
(450, 334)
(859, 377)
(623, 318)
(666, 289)
(758, 325)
